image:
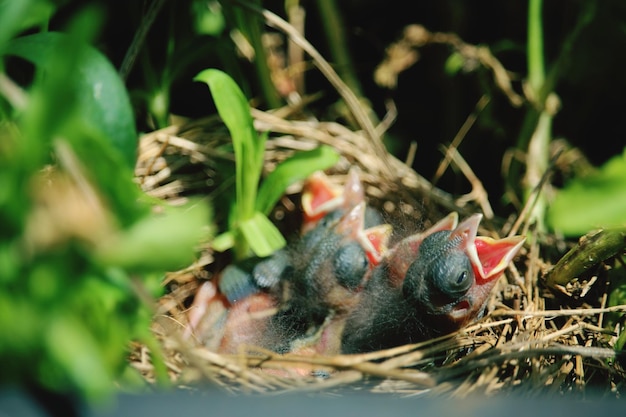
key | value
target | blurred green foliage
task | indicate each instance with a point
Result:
(596, 200)
(82, 249)
(96, 95)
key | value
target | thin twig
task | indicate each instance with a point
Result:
(497, 356)
(401, 55)
(558, 313)
(460, 135)
(388, 119)
(478, 193)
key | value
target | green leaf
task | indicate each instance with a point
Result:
(617, 296)
(223, 241)
(16, 16)
(296, 168)
(106, 170)
(165, 241)
(78, 80)
(595, 201)
(249, 147)
(261, 234)
(621, 341)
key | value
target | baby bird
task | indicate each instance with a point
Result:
(294, 292)
(430, 284)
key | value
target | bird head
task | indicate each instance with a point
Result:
(451, 271)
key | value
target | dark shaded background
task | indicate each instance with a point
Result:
(432, 105)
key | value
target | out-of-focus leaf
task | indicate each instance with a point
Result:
(73, 348)
(165, 241)
(106, 170)
(618, 293)
(16, 16)
(454, 63)
(88, 85)
(262, 236)
(9, 262)
(595, 201)
(621, 341)
(617, 296)
(25, 333)
(208, 17)
(296, 168)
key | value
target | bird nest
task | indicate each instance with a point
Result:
(533, 338)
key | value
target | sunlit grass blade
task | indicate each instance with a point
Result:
(250, 230)
(234, 110)
(296, 168)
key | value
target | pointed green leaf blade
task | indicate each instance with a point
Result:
(234, 110)
(296, 168)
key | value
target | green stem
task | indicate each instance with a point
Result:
(537, 159)
(542, 83)
(585, 17)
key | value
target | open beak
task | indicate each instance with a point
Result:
(496, 254)
(373, 240)
(489, 258)
(320, 197)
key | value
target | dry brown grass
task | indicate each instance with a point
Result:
(532, 339)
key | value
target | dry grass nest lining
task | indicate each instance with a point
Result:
(519, 344)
